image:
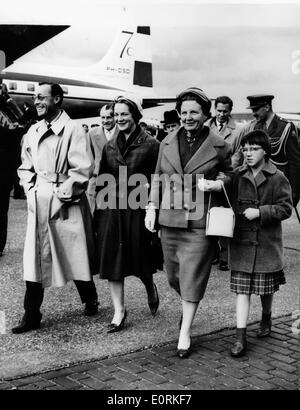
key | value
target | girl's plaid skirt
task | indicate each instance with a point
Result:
(256, 282)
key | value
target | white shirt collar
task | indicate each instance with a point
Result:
(55, 119)
(109, 133)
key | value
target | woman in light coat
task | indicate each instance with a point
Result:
(188, 154)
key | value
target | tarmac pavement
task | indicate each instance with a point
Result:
(270, 364)
(41, 359)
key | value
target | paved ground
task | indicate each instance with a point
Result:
(68, 338)
(271, 364)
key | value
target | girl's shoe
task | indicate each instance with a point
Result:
(238, 349)
(240, 346)
(265, 326)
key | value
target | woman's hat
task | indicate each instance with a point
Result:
(133, 101)
(202, 98)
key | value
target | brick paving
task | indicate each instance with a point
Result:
(270, 364)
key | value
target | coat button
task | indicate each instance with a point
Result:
(185, 206)
(174, 188)
(186, 190)
(172, 206)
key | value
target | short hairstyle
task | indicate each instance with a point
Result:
(55, 90)
(107, 107)
(136, 115)
(223, 99)
(258, 137)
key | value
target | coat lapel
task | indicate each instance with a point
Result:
(228, 129)
(273, 126)
(205, 153)
(113, 145)
(260, 178)
(171, 152)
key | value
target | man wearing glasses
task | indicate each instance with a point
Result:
(285, 150)
(55, 170)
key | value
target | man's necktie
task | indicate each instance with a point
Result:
(221, 125)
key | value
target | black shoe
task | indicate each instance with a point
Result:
(223, 265)
(19, 196)
(153, 306)
(91, 308)
(239, 349)
(264, 330)
(215, 261)
(26, 325)
(180, 322)
(113, 327)
(184, 353)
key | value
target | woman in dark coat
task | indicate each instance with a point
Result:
(124, 246)
(189, 153)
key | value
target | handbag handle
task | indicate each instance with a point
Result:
(209, 200)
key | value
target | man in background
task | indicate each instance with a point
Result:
(224, 125)
(99, 136)
(285, 149)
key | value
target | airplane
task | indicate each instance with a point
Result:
(125, 68)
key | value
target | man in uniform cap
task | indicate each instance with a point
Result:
(285, 147)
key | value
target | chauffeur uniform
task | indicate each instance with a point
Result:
(285, 149)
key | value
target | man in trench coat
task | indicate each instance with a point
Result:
(55, 170)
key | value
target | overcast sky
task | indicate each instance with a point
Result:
(225, 49)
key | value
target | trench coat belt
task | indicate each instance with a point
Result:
(52, 177)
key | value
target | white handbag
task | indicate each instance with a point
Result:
(219, 220)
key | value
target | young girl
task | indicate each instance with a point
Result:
(262, 199)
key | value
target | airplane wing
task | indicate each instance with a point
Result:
(17, 40)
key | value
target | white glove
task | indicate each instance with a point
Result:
(150, 220)
(209, 185)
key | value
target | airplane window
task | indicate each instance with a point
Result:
(12, 86)
(30, 87)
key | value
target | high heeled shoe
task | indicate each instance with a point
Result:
(184, 353)
(153, 306)
(113, 327)
(180, 322)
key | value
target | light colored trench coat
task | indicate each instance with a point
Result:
(55, 170)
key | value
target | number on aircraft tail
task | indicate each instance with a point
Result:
(130, 35)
